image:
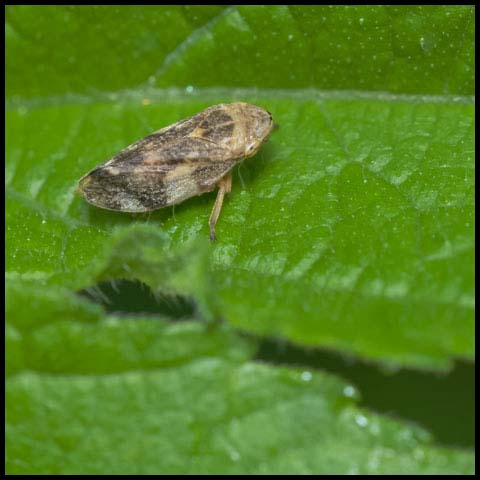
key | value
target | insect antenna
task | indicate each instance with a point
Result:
(240, 176)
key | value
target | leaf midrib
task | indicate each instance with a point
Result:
(206, 94)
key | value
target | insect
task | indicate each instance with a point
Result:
(188, 158)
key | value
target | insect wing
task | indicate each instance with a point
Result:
(152, 173)
(189, 166)
(168, 166)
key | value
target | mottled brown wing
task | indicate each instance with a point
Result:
(153, 174)
(205, 135)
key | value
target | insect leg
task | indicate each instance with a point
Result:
(224, 186)
(228, 182)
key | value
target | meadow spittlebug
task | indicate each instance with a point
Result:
(188, 158)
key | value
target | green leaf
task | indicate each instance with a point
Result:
(65, 49)
(67, 334)
(126, 395)
(365, 204)
(412, 49)
(352, 229)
